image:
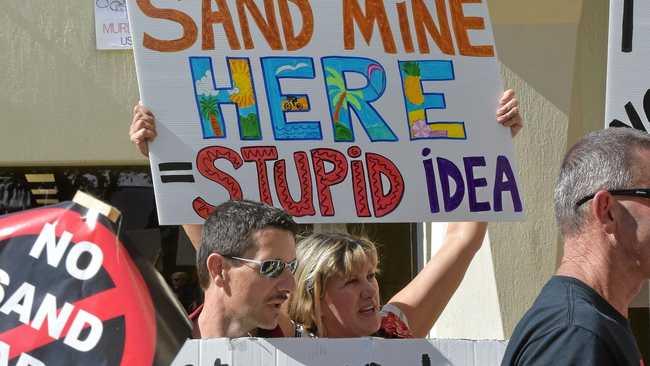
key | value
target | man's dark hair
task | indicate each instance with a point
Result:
(606, 159)
(230, 228)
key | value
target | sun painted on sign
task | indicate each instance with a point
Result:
(210, 99)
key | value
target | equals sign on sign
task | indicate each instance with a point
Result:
(176, 172)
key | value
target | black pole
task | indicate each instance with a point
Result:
(628, 26)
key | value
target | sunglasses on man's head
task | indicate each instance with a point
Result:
(271, 267)
(634, 192)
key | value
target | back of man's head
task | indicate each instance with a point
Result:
(606, 159)
(230, 228)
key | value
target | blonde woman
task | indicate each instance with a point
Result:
(337, 293)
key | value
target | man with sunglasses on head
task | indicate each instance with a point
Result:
(245, 266)
(602, 206)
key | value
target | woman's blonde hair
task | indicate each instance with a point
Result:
(321, 257)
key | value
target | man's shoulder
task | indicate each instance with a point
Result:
(565, 302)
(566, 320)
(551, 309)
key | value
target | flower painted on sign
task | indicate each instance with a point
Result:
(421, 129)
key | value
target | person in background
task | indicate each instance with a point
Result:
(185, 290)
(602, 207)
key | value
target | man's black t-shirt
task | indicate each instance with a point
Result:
(571, 324)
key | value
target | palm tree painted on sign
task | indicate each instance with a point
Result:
(209, 110)
(340, 95)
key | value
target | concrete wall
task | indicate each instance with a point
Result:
(59, 95)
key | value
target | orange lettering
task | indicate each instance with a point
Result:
(375, 13)
(174, 45)
(461, 24)
(423, 19)
(302, 39)
(404, 28)
(221, 16)
(268, 26)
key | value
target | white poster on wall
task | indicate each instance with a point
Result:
(112, 25)
(628, 69)
(337, 111)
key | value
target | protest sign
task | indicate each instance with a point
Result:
(336, 111)
(358, 351)
(111, 25)
(70, 293)
(628, 70)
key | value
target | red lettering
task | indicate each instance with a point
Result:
(304, 206)
(359, 184)
(260, 155)
(108, 28)
(379, 166)
(205, 164)
(202, 208)
(325, 179)
(123, 28)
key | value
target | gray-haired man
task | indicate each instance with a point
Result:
(602, 206)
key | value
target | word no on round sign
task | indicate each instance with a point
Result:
(70, 293)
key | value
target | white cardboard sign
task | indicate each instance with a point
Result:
(111, 25)
(353, 352)
(628, 69)
(337, 111)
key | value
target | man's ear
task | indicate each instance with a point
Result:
(215, 264)
(602, 207)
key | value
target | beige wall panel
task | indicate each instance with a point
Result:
(62, 101)
(535, 11)
(524, 253)
(543, 55)
(558, 111)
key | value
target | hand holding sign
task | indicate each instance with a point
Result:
(143, 128)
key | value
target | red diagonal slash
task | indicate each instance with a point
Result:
(130, 296)
(24, 338)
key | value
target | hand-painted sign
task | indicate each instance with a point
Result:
(628, 89)
(71, 294)
(111, 25)
(337, 111)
